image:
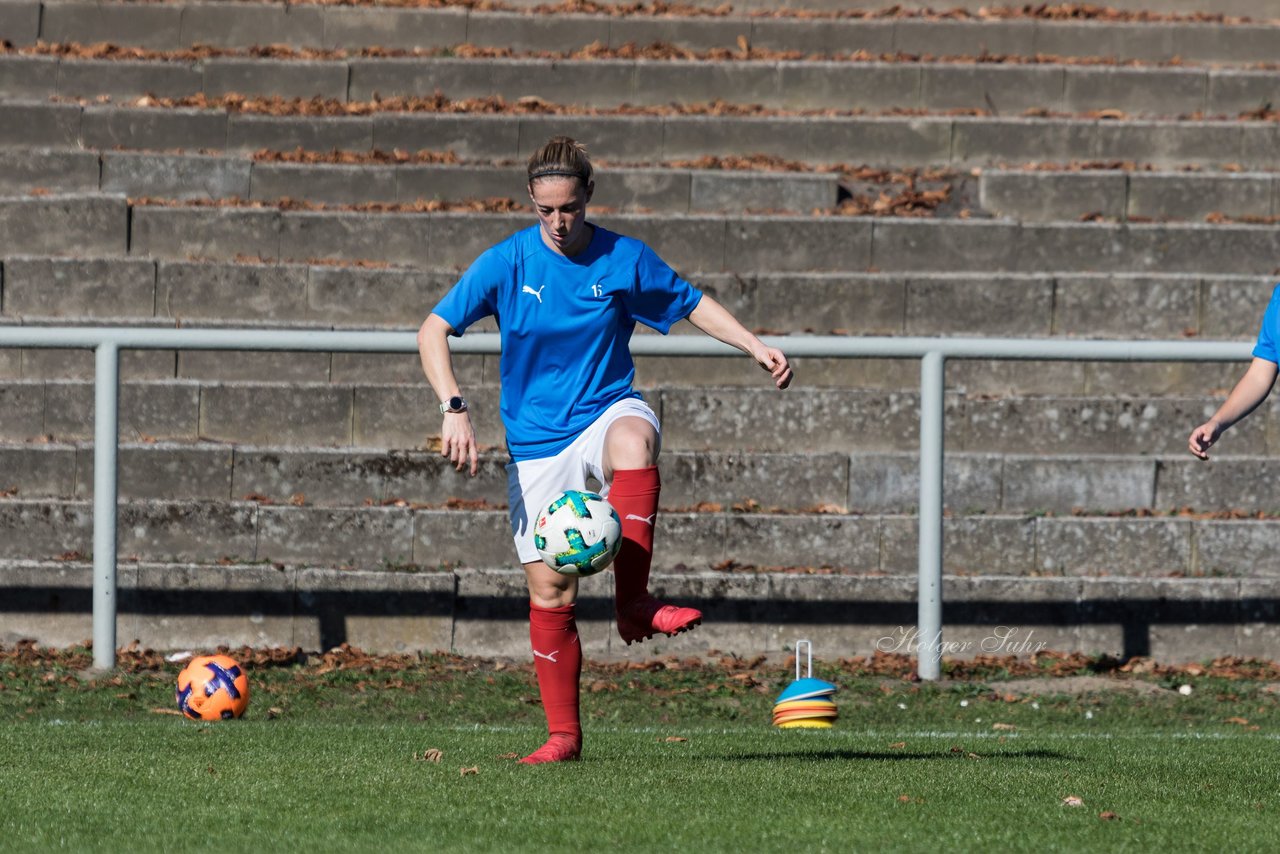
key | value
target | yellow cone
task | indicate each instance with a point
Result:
(806, 723)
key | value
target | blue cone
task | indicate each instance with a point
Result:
(802, 689)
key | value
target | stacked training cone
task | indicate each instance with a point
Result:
(806, 703)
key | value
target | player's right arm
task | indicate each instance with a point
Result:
(1252, 389)
(457, 436)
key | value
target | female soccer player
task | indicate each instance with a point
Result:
(1252, 388)
(567, 294)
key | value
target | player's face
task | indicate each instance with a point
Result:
(561, 205)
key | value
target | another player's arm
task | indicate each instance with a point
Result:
(715, 320)
(457, 436)
(1252, 389)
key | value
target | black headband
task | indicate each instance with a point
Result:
(560, 173)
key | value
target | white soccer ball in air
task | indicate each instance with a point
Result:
(578, 533)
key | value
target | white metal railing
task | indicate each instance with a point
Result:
(933, 354)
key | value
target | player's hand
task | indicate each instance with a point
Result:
(775, 362)
(458, 441)
(1202, 438)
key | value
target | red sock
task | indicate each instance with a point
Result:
(634, 494)
(557, 660)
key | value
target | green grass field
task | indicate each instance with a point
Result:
(352, 753)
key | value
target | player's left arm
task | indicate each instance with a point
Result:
(716, 320)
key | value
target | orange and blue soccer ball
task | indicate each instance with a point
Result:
(212, 687)
(578, 533)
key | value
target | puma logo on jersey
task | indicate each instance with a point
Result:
(549, 656)
(648, 520)
(538, 293)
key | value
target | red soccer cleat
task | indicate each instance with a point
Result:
(559, 748)
(646, 616)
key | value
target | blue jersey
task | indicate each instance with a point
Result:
(1269, 334)
(566, 324)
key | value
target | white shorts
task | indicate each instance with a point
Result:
(532, 484)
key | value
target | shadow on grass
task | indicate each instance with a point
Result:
(896, 756)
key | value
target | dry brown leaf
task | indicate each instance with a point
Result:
(1073, 801)
(490, 205)
(431, 754)
(474, 769)
(595, 50)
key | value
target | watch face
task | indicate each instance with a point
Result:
(455, 403)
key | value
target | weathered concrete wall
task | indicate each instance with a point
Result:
(234, 25)
(397, 533)
(484, 612)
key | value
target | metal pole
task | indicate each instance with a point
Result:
(929, 623)
(106, 433)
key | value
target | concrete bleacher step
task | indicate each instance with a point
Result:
(1162, 9)
(390, 538)
(143, 292)
(105, 225)
(718, 243)
(388, 373)
(1003, 89)
(1043, 196)
(75, 290)
(480, 611)
(66, 224)
(1174, 9)
(921, 140)
(207, 176)
(335, 477)
(696, 418)
(855, 481)
(172, 26)
(44, 290)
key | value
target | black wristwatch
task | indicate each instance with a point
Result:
(454, 404)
